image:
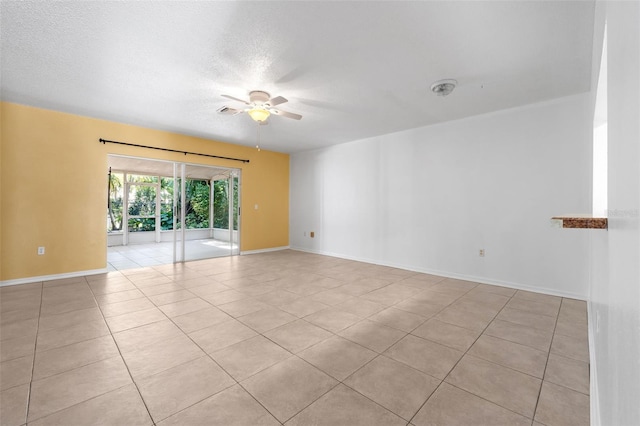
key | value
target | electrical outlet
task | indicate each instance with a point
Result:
(40, 251)
(305, 233)
(312, 234)
(481, 253)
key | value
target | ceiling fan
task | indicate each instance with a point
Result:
(259, 107)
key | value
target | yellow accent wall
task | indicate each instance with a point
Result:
(53, 188)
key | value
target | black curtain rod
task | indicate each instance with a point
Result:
(105, 141)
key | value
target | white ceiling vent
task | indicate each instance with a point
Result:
(444, 87)
(228, 111)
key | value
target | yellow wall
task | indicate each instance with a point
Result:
(54, 188)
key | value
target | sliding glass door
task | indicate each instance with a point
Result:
(185, 211)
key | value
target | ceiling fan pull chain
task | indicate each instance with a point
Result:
(258, 136)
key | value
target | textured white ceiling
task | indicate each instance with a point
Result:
(352, 69)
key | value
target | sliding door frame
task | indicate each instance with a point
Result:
(179, 182)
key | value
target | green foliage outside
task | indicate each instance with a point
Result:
(144, 199)
(114, 222)
(166, 203)
(197, 204)
(221, 204)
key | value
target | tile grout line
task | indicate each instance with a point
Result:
(553, 335)
(339, 382)
(186, 362)
(465, 353)
(62, 372)
(457, 362)
(379, 354)
(258, 372)
(293, 355)
(342, 382)
(564, 386)
(410, 333)
(121, 356)
(206, 354)
(33, 362)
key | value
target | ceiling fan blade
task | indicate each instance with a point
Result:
(277, 100)
(286, 114)
(236, 99)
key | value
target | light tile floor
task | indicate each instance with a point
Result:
(153, 254)
(289, 338)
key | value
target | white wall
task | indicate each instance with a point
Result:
(615, 255)
(428, 199)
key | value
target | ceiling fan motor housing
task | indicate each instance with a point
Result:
(258, 97)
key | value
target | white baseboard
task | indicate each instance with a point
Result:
(52, 277)
(267, 250)
(594, 400)
(447, 274)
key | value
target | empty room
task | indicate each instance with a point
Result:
(320, 213)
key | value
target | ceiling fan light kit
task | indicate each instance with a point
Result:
(259, 114)
(444, 87)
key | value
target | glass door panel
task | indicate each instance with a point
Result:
(235, 215)
(205, 213)
(141, 213)
(166, 203)
(201, 214)
(177, 213)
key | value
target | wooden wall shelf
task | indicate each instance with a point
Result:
(581, 222)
